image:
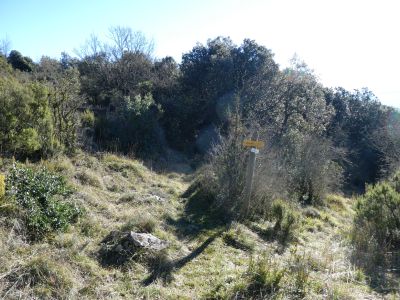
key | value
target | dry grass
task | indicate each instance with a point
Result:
(87, 177)
(201, 261)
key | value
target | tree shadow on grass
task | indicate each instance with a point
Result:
(199, 215)
(272, 234)
(164, 268)
(382, 269)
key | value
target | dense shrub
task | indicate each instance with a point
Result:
(19, 62)
(297, 165)
(228, 170)
(223, 179)
(42, 198)
(376, 232)
(26, 128)
(310, 170)
(131, 124)
(378, 216)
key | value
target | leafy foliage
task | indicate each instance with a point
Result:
(26, 127)
(132, 126)
(117, 97)
(378, 214)
(359, 125)
(310, 167)
(42, 198)
(65, 101)
(212, 73)
(19, 62)
(376, 232)
(228, 169)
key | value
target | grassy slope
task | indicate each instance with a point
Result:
(203, 259)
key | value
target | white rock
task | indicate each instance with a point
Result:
(146, 240)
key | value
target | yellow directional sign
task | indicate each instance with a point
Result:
(253, 144)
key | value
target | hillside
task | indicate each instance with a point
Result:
(221, 173)
(205, 258)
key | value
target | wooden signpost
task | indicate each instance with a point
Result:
(253, 144)
(254, 150)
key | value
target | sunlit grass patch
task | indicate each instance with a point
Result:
(143, 222)
(60, 164)
(124, 165)
(336, 202)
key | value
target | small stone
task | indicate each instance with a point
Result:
(146, 240)
(118, 247)
(156, 198)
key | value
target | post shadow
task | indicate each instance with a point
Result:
(165, 270)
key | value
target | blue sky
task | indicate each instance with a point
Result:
(349, 43)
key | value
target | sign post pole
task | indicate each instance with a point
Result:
(254, 146)
(250, 175)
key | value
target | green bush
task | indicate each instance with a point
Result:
(310, 168)
(222, 180)
(42, 198)
(26, 127)
(376, 232)
(378, 216)
(132, 127)
(28, 141)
